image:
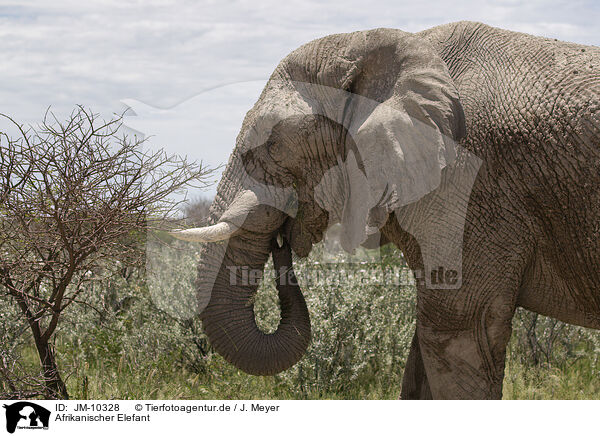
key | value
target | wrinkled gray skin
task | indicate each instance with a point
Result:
(532, 228)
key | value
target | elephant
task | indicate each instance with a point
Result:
(469, 147)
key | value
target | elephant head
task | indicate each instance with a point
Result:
(348, 128)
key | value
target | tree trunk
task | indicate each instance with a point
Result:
(55, 386)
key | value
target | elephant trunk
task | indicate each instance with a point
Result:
(229, 272)
(230, 324)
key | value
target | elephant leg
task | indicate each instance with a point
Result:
(414, 381)
(462, 337)
(469, 260)
(462, 333)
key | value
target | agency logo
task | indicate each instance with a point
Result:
(26, 415)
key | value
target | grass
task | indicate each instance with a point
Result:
(105, 378)
(577, 381)
(361, 338)
(222, 381)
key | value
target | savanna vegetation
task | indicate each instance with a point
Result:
(123, 326)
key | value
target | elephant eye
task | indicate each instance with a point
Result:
(273, 147)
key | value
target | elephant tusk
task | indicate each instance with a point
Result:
(218, 232)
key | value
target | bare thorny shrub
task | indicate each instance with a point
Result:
(75, 195)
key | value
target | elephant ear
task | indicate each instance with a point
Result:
(398, 110)
(403, 116)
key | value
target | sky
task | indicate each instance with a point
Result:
(190, 70)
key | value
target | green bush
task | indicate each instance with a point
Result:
(361, 332)
(135, 338)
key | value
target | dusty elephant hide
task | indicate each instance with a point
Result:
(474, 149)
